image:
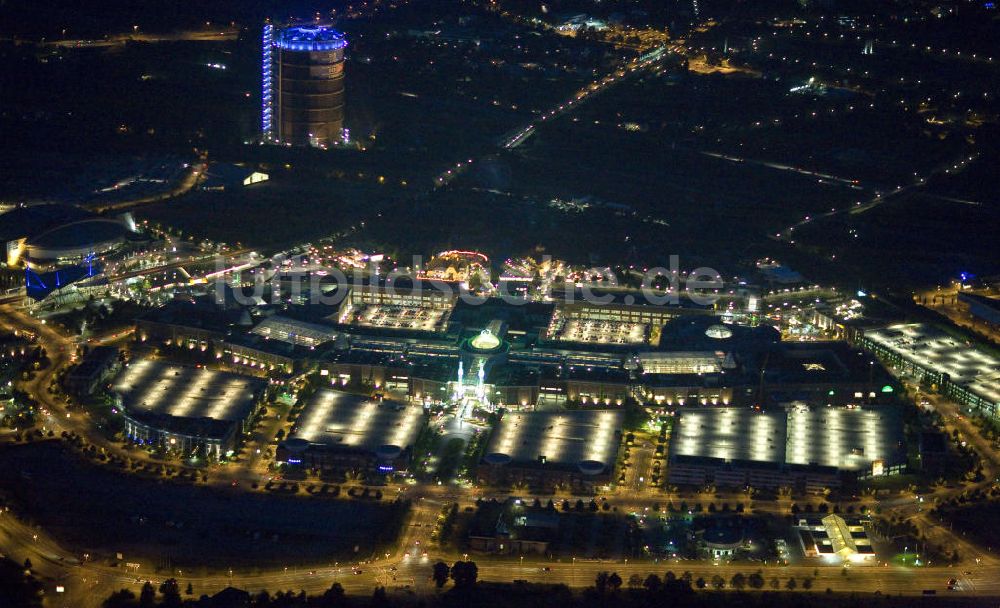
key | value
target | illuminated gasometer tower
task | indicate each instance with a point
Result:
(303, 85)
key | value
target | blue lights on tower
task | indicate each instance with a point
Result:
(266, 99)
(275, 41)
(309, 38)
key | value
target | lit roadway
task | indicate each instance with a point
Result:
(87, 583)
(786, 234)
(522, 133)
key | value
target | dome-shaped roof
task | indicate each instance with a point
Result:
(723, 536)
(497, 458)
(591, 467)
(388, 452)
(295, 444)
(719, 332)
(485, 341)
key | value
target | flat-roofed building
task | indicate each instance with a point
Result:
(293, 331)
(835, 538)
(187, 408)
(97, 366)
(342, 431)
(400, 306)
(962, 372)
(808, 447)
(543, 449)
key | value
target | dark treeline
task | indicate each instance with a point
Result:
(457, 587)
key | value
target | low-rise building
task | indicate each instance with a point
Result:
(188, 409)
(342, 431)
(510, 528)
(96, 367)
(812, 448)
(577, 448)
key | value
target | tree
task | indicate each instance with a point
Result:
(189, 590)
(147, 597)
(718, 582)
(27, 563)
(652, 583)
(440, 574)
(775, 583)
(738, 581)
(122, 598)
(756, 580)
(464, 574)
(687, 576)
(790, 585)
(171, 593)
(601, 582)
(332, 597)
(634, 581)
(379, 598)
(700, 583)
(614, 582)
(670, 576)
(807, 583)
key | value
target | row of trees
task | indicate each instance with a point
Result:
(463, 574)
(610, 583)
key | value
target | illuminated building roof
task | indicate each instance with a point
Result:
(310, 38)
(159, 389)
(844, 438)
(719, 332)
(485, 341)
(583, 439)
(934, 350)
(335, 419)
(293, 331)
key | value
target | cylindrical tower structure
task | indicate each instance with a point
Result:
(307, 100)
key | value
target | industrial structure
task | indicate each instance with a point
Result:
(303, 85)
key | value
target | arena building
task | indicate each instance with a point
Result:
(187, 408)
(47, 236)
(577, 448)
(341, 431)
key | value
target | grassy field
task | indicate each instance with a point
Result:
(100, 511)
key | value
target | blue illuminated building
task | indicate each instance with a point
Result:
(302, 85)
